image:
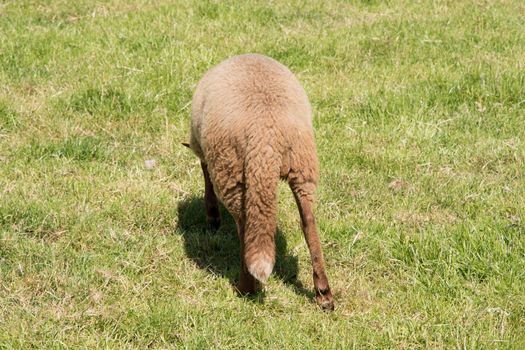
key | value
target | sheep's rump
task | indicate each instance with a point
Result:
(248, 96)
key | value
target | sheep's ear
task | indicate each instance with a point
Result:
(186, 144)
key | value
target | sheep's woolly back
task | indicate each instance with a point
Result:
(252, 124)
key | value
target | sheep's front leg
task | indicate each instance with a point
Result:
(323, 294)
(213, 216)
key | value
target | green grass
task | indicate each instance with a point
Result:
(420, 123)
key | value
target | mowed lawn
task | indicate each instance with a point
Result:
(419, 111)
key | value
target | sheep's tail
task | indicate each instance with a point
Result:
(261, 171)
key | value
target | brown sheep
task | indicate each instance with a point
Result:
(251, 126)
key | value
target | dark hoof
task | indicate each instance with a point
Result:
(325, 300)
(327, 305)
(244, 293)
(214, 223)
(248, 286)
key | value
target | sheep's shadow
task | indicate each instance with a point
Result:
(218, 252)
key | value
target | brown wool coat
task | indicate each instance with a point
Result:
(251, 126)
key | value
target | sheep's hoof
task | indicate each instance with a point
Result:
(244, 289)
(247, 285)
(214, 223)
(327, 305)
(324, 300)
(244, 293)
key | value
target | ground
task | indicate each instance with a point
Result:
(419, 111)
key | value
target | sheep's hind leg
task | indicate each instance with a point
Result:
(304, 199)
(213, 216)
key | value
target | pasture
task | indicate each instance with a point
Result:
(419, 116)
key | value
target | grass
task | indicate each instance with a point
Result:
(419, 117)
